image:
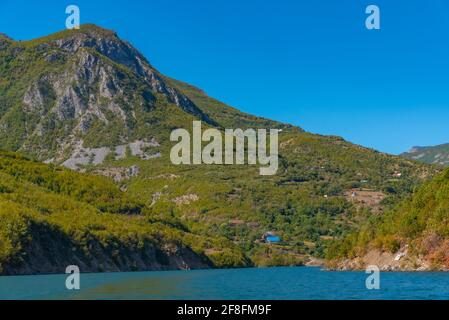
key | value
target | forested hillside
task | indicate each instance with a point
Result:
(89, 101)
(416, 232)
(51, 217)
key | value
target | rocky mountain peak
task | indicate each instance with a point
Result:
(83, 88)
(108, 44)
(105, 42)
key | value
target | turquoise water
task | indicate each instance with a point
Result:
(273, 283)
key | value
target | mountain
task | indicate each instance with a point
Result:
(85, 88)
(51, 217)
(412, 236)
(75, 91)
(89, 101)
(435, 155)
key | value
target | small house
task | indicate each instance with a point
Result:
(270, 237)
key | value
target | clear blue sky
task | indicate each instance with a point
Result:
(311, 63)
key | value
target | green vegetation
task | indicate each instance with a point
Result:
(304, 203)
(55, 96)
(83, 215)
(421, 222)
(34, 118)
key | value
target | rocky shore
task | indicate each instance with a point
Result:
(401, 260)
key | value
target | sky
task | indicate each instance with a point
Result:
(309, 63)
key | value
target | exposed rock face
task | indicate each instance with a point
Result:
(402, 260)
(94, 91)
(109, 45)
(94, 156)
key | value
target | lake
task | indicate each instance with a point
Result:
(268, 283)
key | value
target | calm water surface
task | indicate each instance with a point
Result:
(273, 283)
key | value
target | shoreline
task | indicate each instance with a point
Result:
(322, 268)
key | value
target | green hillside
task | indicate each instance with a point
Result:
(52, 217)
(87, 100)
(420, 224)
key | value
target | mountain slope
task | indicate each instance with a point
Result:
(85, 87)
(90, 101)
(52, 217)
(434, 155)
(413, 236)
(224, 115)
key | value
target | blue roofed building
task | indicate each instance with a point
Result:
(270, 237)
